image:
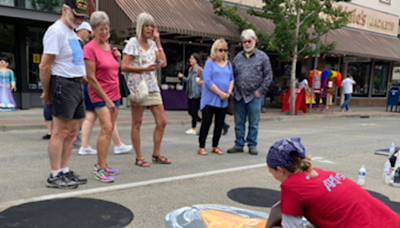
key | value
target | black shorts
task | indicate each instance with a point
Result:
(67, 98)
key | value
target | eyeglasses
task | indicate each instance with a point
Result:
(223, 50)
(247, 41)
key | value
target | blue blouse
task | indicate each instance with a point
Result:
(213, 74)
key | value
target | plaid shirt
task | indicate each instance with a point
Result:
(251, 74)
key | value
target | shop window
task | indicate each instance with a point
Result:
(380, 80)
(7, 43)
(175, 62)
(7, 2)
(203, 51)
(45, 5)
(34, 36)
(361, 74)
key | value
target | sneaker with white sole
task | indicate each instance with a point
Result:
(191, 132)
(103, 176)
(60, 181)
(87, 151)
(122, 149)
(109, 170)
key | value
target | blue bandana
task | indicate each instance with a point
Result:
(279, 153)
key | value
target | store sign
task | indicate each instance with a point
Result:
(347, 59)
(396, 73)
(370, 20)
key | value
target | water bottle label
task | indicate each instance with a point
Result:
(361, 174)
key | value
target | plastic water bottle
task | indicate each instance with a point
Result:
(386, 168)
(392, 149)
(361, 176)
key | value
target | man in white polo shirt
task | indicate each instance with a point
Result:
(347, 85)
(62, 69)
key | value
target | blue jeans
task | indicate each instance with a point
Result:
(347, 97)
(263, 102)
(250, 111)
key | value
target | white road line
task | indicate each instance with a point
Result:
(127, 186)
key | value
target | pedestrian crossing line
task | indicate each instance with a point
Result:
(5, 205)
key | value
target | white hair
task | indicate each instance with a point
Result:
(142, 19)
(99, 18)
(248, 34)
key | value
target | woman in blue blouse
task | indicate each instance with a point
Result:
(217, 86)
(193, 81)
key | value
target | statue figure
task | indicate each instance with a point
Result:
(7, 83)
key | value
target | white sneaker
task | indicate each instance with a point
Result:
(87, 151)
(191, 132)
(123, 149)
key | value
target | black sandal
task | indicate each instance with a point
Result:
(142, 163)
(161, 160)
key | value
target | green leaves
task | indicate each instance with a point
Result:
(316, 16)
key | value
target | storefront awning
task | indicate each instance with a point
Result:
(196, 18)
(189, 17)
(365, 44)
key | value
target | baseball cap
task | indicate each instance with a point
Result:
(86, 26)
(78, 7)
(280, 153)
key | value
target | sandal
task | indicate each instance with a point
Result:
(202, 151)
(216, 150)
(142, 163)
(161, 159)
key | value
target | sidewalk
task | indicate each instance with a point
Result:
(33, 118)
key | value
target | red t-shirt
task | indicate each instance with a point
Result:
(106, 71)
(332, 200)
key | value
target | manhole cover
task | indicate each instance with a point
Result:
(67, 213)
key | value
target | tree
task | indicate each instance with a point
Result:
(297, 25)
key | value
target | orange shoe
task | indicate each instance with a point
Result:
(216, 150)
(202, 151)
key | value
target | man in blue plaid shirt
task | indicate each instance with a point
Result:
(253, 75)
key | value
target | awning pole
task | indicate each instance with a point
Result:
(315, 72)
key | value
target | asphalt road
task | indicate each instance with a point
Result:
(339, 144)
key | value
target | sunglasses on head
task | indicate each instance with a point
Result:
(223, 50)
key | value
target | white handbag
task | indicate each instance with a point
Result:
(137, 85)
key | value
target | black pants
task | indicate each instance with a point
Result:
(193, 109)
(208, 113)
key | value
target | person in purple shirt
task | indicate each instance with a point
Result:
(217, 87)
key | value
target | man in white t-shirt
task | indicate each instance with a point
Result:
(347, 85)
(62, 69)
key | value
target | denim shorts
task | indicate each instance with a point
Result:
(88, 103)
(102, 104)
(47, 113)
(67, 98)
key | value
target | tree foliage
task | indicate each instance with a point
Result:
(316, 16)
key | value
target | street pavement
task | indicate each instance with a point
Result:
(337, 141)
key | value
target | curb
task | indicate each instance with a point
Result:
(147, 123)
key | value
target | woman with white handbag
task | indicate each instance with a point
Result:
(143, 55)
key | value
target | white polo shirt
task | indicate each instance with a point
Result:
(62, 41)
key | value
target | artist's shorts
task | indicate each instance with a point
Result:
(67, 98)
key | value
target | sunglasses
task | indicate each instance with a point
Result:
(247, 41)
(223, 50)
